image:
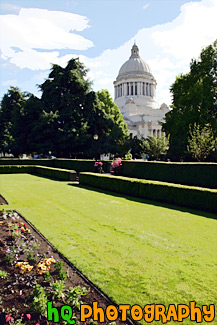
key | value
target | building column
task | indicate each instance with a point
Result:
(140, 88)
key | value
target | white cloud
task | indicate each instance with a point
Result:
(36, 29)
(146, 6)
(167, 48)
(196, 26)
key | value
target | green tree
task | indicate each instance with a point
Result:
(136, 147)
(79, 113)
(116, 133)
(63, 97)
(39, 127)
(65, 119)
(194, 101)
(200, 142)
(12, 125)
(156, 146)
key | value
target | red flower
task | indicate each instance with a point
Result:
(28, 316)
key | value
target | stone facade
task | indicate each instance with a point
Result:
(135, 94)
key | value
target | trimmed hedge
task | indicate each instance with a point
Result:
(193, 174)
(12, 169)
(80, 165)
(60, 174)
(32, 162)
(181, 195)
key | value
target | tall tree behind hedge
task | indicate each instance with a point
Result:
(63, 95)
(79, 113)
(12, 125)
(116, 134)
(194, 101)
(64, 120)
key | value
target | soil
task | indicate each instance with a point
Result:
(16, 288)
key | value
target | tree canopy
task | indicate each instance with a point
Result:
(193, 101)
(65, 119)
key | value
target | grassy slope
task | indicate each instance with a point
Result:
(137, 253)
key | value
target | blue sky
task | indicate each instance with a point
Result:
(35, 34)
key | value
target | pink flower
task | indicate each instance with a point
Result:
(28, 316)
(96, 164)
(8, 318)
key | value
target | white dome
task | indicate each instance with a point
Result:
(134, 66)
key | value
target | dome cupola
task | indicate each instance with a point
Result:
(134, 66)
(134, 52)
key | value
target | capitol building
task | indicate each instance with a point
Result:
(135, 94)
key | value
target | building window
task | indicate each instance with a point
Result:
(128, 89)
(143, 89)
(135, 88)
(131, 89)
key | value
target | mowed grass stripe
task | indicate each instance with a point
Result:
(137, 253)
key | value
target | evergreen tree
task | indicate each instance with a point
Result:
(12, 125)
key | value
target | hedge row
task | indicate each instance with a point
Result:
(21, 162)
(60, 174)
(193, 174)
(181, 195)
(80, 165)
(12, 169)
(57, 173)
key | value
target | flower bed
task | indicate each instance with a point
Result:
(32, 273)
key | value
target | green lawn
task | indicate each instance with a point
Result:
(137, 252)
